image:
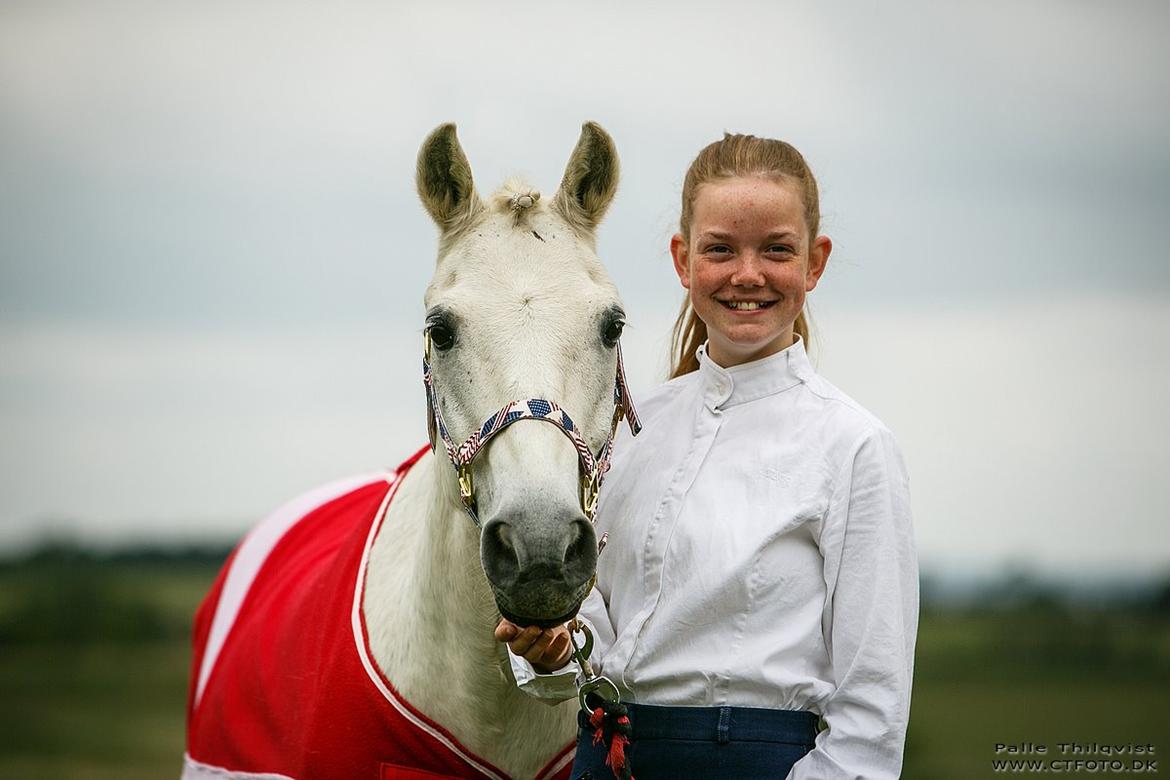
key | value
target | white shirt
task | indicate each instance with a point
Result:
(760, 555)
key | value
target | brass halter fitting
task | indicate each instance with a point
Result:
(466, 490)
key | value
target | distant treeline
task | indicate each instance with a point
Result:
(67, 592)
(58, 552)
(1019, 590)
(1010, 589)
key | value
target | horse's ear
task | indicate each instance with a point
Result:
(444, 180)
(590, 181)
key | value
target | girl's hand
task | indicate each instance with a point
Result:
(547, 650)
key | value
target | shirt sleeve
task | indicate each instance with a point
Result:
(562, 684)
(870, 619)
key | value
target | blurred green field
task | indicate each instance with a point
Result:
(95, 659)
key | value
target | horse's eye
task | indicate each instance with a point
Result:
(613, 332)
(442, 337)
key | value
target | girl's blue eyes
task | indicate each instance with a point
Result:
(775, 249)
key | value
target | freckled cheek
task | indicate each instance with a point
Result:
(789, 281)
(709, 279)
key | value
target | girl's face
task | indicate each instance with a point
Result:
(748, 264)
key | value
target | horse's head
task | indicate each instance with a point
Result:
(521, 308)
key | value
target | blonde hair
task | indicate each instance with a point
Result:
(737, 155)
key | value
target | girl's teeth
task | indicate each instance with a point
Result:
(744, 305)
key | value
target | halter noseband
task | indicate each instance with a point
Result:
(593, 467)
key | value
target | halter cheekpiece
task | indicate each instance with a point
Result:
(593, 467)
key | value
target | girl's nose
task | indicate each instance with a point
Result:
(749, 271)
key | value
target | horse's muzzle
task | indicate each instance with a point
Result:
(539, 572)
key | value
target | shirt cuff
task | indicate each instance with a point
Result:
(553, 687)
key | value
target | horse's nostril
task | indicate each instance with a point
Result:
(500, 560)
(581, 553)
(580, 541)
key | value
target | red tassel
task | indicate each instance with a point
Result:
(617, 753)
(596, 720)
(615, 758)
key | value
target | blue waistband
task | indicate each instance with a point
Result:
(719, 724)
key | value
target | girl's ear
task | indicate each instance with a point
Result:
(818, 258)
(678, 250)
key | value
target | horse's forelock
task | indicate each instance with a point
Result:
(517, 198)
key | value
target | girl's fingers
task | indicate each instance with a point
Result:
(558, 650)
(506, 630)
(547, 648)
(523, 641)
(539, 647)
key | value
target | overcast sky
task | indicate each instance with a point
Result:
(212, 257)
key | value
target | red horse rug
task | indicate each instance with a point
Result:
(283, 684)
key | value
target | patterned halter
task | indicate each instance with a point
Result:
(593, 467)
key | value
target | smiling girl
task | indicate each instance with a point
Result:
(757, 605)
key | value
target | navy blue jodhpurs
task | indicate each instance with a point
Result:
(702, 742)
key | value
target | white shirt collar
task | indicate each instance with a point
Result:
(724, 387)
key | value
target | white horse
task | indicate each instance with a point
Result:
(520, 307)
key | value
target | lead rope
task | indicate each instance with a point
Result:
(600, 700)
